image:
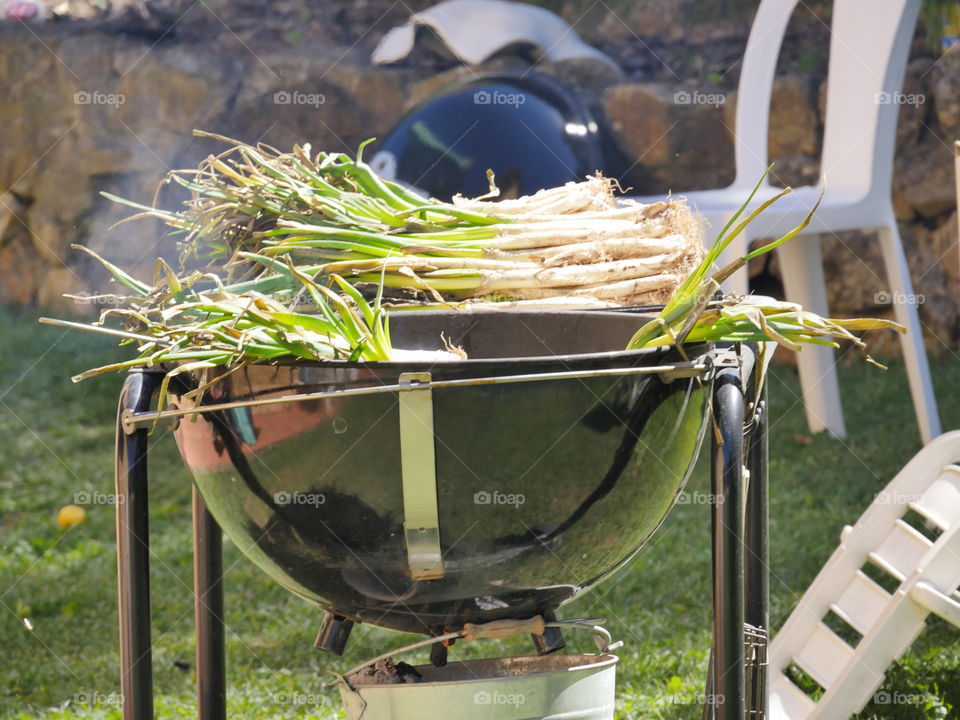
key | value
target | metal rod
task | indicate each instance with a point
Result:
(756, 609)
(133, 550)
(757, 551)
(133, 420)
(727, 511)
(208, 612)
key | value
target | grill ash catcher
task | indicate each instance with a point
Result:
(468, 498)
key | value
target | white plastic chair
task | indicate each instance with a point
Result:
(928, 574)
(869, 47)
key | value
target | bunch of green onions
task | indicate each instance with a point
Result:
(331, 214)
(281, 233)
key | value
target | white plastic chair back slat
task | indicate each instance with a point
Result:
(901, 552)
(755, 90)
(866, 71)
(928, 573)
(862, 603)
(941, 503)
(824, 656)
(896, 630)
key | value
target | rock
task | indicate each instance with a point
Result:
(793, 122)
(934, 266)
(854, 272)
(172, 90)
(902, 209)
(11, 210)
(945, 87)
(662, 19)
(673, 138)
(926, 178)
(55, 283)
(379, 93)
(19, 269)
(34, 108)
(50, 239)
(639, 116)
(945, 247)
(423, 88)
(587, 76)
(306, 100)
(910, 120)
(795, 171)
(857, 283)
(717, 31)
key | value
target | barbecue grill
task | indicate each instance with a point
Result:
(423, 497)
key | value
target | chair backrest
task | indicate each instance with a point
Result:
(869, 47)
(756, 88)
(865, 77)
(929, 485)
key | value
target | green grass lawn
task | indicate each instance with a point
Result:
(56, 440)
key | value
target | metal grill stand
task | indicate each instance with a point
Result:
(736, 687)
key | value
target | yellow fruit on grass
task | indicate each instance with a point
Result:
(70, 515)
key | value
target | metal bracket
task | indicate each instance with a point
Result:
(421, 517)
(725, 358)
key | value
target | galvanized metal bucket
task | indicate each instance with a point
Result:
(572, 687)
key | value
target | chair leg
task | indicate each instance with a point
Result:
(914, 353)
(208, 613)
(803, 282)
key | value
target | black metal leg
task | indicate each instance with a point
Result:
(208, 612)
(756, 562)
(728, 545)
(133, 550)
(552, 638)
(334, 633)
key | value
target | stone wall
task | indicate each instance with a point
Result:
(87, 109)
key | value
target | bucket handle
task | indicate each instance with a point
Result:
(498, 629)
